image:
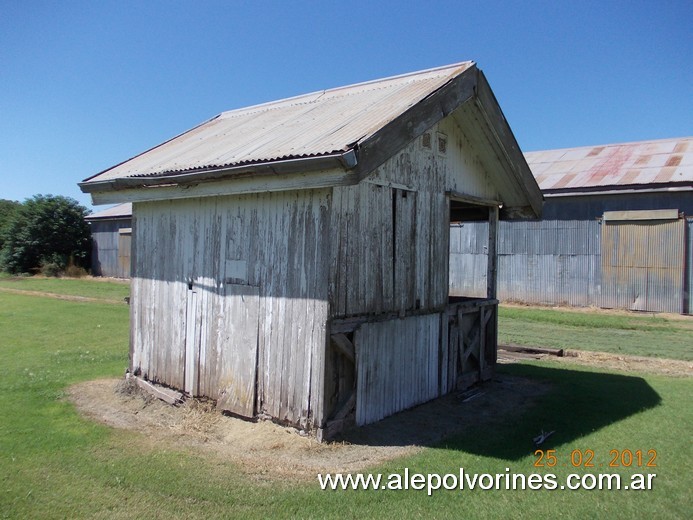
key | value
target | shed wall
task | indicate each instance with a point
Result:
(390, 252)
(560, 262)
(272, 242)
(390, 242)
(397, 365)
(589, 207)
(110, 248)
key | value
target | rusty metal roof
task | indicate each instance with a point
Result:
(312, 125)
(645, 163)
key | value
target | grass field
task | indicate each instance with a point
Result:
(86, 287)
(55, 464)
(619, 333)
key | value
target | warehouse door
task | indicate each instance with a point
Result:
(643, 255)
(124, 247)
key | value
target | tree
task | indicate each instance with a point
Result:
(7, 209)
(46, 229)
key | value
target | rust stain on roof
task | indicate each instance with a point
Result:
(647, 162)
(674, 160)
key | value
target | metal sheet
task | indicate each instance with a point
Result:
(647, 162)
(643, 265)
(656, 214)
(397, 365)
(110, 247)
(118, 211)
(637, 265)
(315, 124)
(546, 262)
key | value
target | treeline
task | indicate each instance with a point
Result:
(44, 234)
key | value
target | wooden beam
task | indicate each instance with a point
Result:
(382, 145)
(519, 169)
(160, 392)
(492, 272)
(470, 199)
(345, 347)
(343, 419)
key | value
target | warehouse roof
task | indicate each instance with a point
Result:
(645, 163)
(118, 211)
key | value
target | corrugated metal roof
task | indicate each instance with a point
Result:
(321, 123)
(120, 211)
(615, 165)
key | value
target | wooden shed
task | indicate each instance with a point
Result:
(290, 260)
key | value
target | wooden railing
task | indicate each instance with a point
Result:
(472, 339)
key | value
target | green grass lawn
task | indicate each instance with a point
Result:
(630, 334)
(55, 464)
(87, 287)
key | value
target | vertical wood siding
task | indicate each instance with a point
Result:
(397, 365)
(390, 246)
(272, 243)
(390, 254)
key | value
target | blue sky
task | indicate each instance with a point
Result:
(86, 85)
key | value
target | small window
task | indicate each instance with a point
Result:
(442, 144)
(426, 140)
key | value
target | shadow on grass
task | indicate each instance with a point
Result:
(522, 401)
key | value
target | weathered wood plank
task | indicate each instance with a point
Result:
(165, 394)
(492, 274)
(386, 382)
(237, 377)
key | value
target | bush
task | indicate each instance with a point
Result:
(43, 231)
(75, 271)
(50, 269)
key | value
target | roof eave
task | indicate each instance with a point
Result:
(470, 85)
(343, 160)
(518, 168)
(375, 149)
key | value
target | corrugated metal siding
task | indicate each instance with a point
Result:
(545, 262)
(397, 365)
(590, 207)
(643, 265)
(638, 266)
(110, 253)
(549, 262)
(310, 125)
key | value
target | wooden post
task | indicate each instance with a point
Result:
(492, 273)
(491, 290)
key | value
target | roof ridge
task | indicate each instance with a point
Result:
(611, 145)
(312, 97)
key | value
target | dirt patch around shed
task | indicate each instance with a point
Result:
(648, 365)
(266, 450)
(642, 364)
